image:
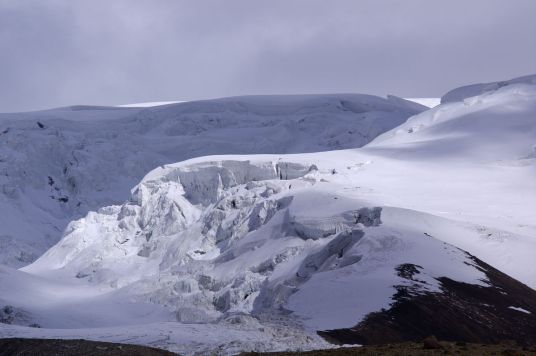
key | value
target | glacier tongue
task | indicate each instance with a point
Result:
(204, 238)
(190, 213)
(56, 165)
(233, 240)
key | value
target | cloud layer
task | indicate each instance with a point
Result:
(55, 53)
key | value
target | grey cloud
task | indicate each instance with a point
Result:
(55, 53)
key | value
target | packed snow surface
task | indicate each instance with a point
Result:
(261, 251)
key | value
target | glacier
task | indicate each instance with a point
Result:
(263, 251)
(58, 164)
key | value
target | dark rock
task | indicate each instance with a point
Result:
(431, 343)
(408, 270)
(82, 275)
(368, 216)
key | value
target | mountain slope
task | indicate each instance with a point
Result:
(459, 94)
(214, 241)
(504, 309)
(218, 240)
(494, 126)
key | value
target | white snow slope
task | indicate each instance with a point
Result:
(57, 165)
(468, 91)
(429, 102)
(258, 252)
(149, 104)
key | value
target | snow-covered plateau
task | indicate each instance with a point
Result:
(320, 217)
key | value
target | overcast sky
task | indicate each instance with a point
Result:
(55, 53)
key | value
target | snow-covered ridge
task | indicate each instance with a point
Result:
(497, 125)
(468, 91)
(149, 104)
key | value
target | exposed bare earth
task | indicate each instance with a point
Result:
(47, 347)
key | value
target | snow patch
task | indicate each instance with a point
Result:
(519, 309)
(429, 102)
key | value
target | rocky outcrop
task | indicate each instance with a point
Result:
(504, 309)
